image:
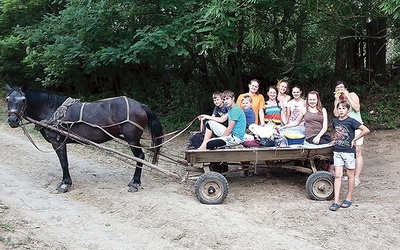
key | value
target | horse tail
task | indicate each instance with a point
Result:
(155, 130)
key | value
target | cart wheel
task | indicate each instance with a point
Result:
(211, 188)
(319, 186)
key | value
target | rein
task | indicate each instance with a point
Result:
(33, 142)
(175, 133)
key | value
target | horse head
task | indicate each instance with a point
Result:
(16, 103)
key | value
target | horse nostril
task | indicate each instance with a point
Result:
(13, 121)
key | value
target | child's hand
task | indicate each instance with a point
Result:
(201, 117)
(316, 140)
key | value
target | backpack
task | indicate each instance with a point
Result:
(195, 141)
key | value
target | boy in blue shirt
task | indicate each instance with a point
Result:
(344, 151)
(247, 102)
(227, 136)
(219, 110)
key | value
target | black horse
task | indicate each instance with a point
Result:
(98, 121)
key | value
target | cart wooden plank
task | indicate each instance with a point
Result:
(300, 152)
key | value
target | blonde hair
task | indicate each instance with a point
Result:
(217, 94)
(247, 98)
(282, 81)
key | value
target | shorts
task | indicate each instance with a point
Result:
(218, 129)
(360, 141)
(347, 160)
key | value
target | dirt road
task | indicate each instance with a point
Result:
(259, 213)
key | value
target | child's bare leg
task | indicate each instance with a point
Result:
(359, 162)
(338, 182)
(207, 136)
(201, 126)
(350, 174)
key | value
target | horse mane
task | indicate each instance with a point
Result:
(42, 98)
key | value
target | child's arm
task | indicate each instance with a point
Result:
(364, 131)
(297, 121)
(324, 123)
(354, 101)
(261, 116)
(229, 129)
(221, 119)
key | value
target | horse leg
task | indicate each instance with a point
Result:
(61, 151)
(135, 182)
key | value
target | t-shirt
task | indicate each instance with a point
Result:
(273, 113)
(220, 111)
(294, 107)
(345, 132)
(258, 102)
(355, 115)
(250, 117)
(237, 114)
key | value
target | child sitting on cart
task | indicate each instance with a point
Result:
(219, 110)
(232, 135)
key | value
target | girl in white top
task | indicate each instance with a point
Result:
(293, 110)
(283, 97)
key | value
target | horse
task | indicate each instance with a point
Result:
(99, 121)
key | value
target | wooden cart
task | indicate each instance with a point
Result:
(212, 187)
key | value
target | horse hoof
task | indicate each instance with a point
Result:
(63, 188)
(133, 187)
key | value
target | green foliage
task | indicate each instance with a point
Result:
(173, 54)
(382, 112)
(391, 7)
(5, 227)
(180, 106)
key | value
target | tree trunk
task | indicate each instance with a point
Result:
(345, 51)
(376, 48)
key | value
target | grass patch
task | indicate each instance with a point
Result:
(5, 227)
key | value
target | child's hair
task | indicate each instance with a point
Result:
(247, 98)
(344, 103)
(228, 93)
(279, 84)
(217, 94)
(297, 87)
(276, 90)
(319, 104)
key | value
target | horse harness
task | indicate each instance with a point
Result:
(62, 110)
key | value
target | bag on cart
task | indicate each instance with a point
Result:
(195, 140)
(266, 142)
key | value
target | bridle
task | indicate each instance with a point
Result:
(21, 112)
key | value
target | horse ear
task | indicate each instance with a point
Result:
(8, 88)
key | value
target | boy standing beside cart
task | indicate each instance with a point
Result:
(344, 151)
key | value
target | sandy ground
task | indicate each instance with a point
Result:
(259, 213)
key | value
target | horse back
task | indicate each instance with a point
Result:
(107, 112)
